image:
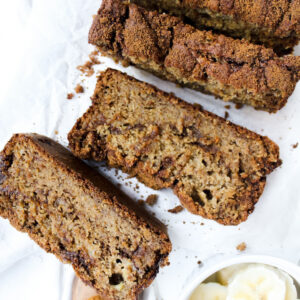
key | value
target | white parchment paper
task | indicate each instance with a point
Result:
(42, 42)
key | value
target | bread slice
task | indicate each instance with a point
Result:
(72, 211)
(217, 169)
(276, 24)
(232, 70)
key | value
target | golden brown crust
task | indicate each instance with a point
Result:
(88, 182)
(270, 14)
(204, 155)
(231, 69)
(275, 24)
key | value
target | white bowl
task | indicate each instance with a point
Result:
(216, 264)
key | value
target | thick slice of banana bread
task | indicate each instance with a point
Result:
(72, 211)
(217, 169)
(276, 24)
(233, 70)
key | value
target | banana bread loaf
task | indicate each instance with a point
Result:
(276, 24)
(217, 169)
(72, 211)
(233, 70)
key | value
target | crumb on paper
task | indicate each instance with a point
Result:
(239, 105)
(241, 247)
(87, 68)
(176, 209)
(56, 132)
(79, 89)
(125, 63)
(295, 145)
(93, 57)
(70, 96)
(198, 106)
(116, 60)
(202, 224)
(183, 222)
(199, 262)
(151, 199)
(227, 106)
(226, 116)
(141, 202)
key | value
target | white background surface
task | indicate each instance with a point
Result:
(42, 42)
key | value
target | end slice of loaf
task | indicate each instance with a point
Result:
(233, 70)
(275, 24)
(72, 211)
(217, 169)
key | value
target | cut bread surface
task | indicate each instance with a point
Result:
(217, 169)
(72, 211)
(231, 69)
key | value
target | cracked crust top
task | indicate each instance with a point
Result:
(280, 16)
(175, 50)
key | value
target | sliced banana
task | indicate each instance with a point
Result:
(225, 275)
(291, 292)
(209, 291)
(247, 282)
(256, 283)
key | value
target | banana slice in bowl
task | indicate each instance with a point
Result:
(256, 283)
(226, 274)
(260, 276)
(291, 291)
(210, 291)
(244, 277)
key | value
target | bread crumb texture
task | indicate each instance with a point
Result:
(75, 213)
(216, 168)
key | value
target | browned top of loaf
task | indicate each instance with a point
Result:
(92, 183)
(280, 16)
(162, 139)
(131, 31)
